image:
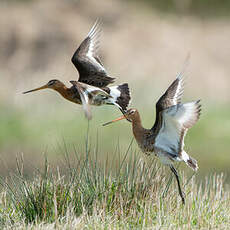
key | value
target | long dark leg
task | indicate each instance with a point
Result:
(178, 182)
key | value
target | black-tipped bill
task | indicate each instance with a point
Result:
(124, 113)
(40, 88)
(118, 119)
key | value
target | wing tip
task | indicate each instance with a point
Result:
(180, 75)
(96, 28)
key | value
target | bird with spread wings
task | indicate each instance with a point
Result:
(92, 85)
(166, 137)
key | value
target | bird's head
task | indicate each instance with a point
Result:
(52, 84)
(130, 115)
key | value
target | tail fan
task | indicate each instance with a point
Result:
(121, 95)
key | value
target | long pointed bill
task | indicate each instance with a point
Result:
(40, 88)
(118, 119)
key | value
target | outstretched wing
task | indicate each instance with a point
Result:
(87, 62)
(171, 97)
(173, 94)
(176, 120)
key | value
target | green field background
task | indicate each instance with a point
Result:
(144, 46)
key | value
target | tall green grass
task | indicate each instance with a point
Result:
(124, 192)
(33, 132)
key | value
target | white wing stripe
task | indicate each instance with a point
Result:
(94, 44)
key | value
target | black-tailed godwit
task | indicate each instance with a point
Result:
(91, 87)
(166, 137)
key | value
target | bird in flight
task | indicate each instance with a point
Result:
(92, 85)
(166, 137)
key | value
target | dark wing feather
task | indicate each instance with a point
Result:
(171, 97)
(87, 62)
(173, 94)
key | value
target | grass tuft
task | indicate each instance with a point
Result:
(92, 193)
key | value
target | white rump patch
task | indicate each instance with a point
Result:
(115, 92)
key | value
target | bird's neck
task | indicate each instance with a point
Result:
(138, 130)
(65, 92)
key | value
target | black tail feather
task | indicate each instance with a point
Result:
(124, 99)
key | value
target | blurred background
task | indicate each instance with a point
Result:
(144, 43)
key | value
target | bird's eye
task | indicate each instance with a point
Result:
(132, 112)
(51, 82)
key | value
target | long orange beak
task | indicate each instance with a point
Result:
(40, 88)
(118, 119)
